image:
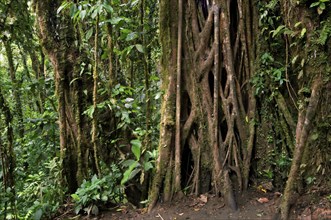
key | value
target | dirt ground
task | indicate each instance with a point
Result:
(206, 206)
(253, 204)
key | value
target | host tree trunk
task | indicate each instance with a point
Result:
(57, 35)
(313, 50)
(207, 117)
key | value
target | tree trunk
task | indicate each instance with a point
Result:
(207, 73)
(168, 38)
(313, 67)
(95, 98)
(8, 159)
(57, 38)
(16, 88)
(305, 120)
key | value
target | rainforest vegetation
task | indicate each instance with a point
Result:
(134, 101)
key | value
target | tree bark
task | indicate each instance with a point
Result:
(57, 39)
(305, 120)
(16, 87)
(95, 97)
(178, 147)
(168, 39)
(8, 158)
(210, 120)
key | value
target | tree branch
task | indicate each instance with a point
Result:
(205, 35)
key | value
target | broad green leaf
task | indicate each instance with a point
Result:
(37, 215)
(136, 142)
(94, 178)
(108, 8)
(136, 151)
(134, 3)
(73, 11)
(75, 197)
(303, 32)
(96, 11)
(322, 6)
(82, 14)
(314, 4)
(77, 209)
(315, 136)
(128, 172)
(288, 32)
(148, 166)
(63, 6)
(128, 163)
(131, 36)
(104, 198)
(158, 95)
(140, 48)
(89, 34)
(89, 112)
(116, 20)
(96, 197)
(278, 30)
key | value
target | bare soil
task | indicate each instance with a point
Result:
(206, 206)
(253, 204)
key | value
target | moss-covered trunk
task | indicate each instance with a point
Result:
(312, 81)
(8, 158)
(17, 84)
(213, 98)
(57, 36)
(168, 38)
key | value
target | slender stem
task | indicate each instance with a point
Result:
(217, 164)
(95, 89)
(178, 98)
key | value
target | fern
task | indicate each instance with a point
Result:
(325, 33)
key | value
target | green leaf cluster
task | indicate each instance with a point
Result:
(139, 164)
(270, 76)
(320, 5)
(99, 191)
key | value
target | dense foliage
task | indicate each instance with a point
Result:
(29, 116)
(81, 89)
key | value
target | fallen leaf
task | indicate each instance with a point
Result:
(203, 198)
(263, 200)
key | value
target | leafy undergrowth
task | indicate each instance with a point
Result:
(253, 204)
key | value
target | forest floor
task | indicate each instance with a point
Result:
(253, 204)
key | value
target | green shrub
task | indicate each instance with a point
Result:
(99, 191)
(43, 193)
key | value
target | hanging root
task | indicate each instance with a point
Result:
(229, 197)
